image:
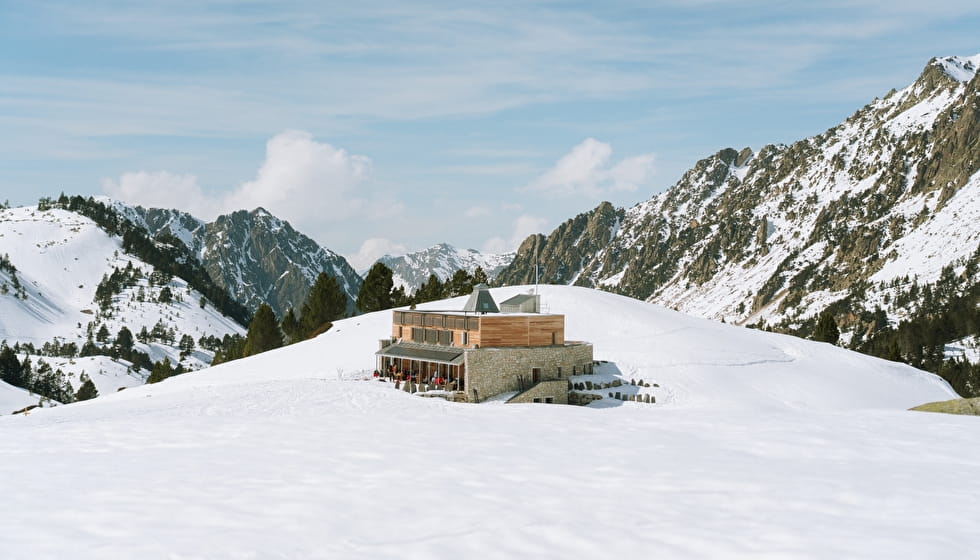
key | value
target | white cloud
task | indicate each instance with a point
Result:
(304, 181)
(523, 226)
(161, 189)
(313, 185)
(372, 249)
(587, 170)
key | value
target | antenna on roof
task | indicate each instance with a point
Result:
(537, 243)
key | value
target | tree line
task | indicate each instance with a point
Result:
(379, 292)
(41, 379)
(938, 313)
(165, 253)
(327, 302)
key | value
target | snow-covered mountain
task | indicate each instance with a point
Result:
(854, 219)
(56, 291)
(256, 256)
(760, 445)
(411, 270)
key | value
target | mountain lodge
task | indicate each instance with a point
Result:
(482, 351)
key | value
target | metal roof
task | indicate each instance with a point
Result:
(518, 299)
(423, 353)
(481, 301)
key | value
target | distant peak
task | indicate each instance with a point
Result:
(960, 68)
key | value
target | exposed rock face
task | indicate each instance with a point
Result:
(852, 215)
(257, 257)
(562, 254)
(411, 270)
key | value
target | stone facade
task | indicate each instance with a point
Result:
(492, 371)
(554, 391)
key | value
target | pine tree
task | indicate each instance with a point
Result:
(826, 329)
(11, 370)
(232, 348)
(375, 293)
(399, 298)
(263, 332)
(290, 326)
(186, 345)
(460, 284)
(87, 391)
(325, 303)
(479, 276)
(430, 290)
(103, 334)
(124, 340)
(161, 370)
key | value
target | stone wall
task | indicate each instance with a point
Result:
(556, 389)
(492, 371)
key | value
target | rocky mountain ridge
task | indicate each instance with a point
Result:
(412, 269)
(256, 256)
(849, 220)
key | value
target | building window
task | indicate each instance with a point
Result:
(466, 338)
(399, 332)
(549, 400)
(559, 372)
(554, 338)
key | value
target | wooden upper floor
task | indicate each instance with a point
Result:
(448, 328)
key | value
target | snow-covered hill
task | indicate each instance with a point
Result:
(60, 259)
(411, 270)
(761, 445)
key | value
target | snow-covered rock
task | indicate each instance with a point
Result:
(853, 215)
(411, 270)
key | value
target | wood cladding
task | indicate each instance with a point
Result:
(484, 331)
(522, 330)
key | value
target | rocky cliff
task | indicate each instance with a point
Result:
(256, 256)
(851, 219)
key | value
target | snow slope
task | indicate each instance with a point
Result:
(14, 398)
(60, 258)
(765, 446)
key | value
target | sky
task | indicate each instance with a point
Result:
(386, 127)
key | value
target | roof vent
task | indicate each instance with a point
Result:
(481, 301)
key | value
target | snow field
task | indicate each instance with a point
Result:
(766, 446)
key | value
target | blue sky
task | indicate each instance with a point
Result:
(391, 126)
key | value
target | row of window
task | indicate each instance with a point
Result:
(459, 323)
(433, 336)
